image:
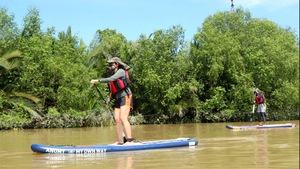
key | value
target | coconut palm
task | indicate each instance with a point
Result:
(26, 101)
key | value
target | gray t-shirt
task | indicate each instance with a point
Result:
(119, 74)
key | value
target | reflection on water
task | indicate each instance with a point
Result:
(219, 148)
(62, 160)
(261, 149)
(117, 160)
(124, 162)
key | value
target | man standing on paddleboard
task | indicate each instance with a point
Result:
(261, 106)
(122, 95)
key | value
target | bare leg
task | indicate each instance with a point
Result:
(119, 125)
(124, 118)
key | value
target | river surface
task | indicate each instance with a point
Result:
(218, 148)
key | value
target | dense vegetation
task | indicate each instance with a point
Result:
(45, 75)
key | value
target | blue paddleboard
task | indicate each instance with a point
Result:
(70, 149)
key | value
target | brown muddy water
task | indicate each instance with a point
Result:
(218, 148)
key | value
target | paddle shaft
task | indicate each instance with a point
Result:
(103, 100)
(252, 113)
(124, 138)
(253, 108)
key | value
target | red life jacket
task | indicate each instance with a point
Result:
(260, 98)
(119, 84)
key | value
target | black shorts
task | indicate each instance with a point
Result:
(124, 101)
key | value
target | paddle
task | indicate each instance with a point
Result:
(124, 138)
(253, 107)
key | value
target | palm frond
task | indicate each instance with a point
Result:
(32, 112)
(26, 108)
(27, 96)
(6, 60)
(12, 55)
(5, 64)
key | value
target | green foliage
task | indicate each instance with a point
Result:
(157, 85)
(98, 118)
(60, 69)
(2, 100)
(14, 115)
(106, 44)
(7, 61)
(58, 121)
(286, 98)
(8, 32)
(13, 99)
(32, 24)
(137, 119)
